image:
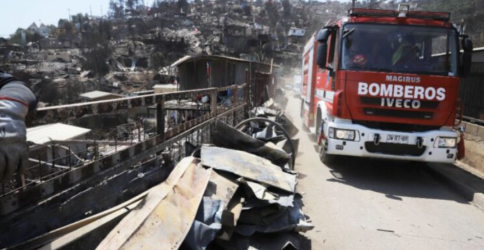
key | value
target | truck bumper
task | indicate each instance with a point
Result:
(364, 144)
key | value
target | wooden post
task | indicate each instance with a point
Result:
(40, 169)
(139, 132)
(53, 155)
(235, 93)
(69, 158)
(213, 103)
(96, 150)
(160, 117)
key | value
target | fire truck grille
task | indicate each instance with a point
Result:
(394, 149)
(377, 101)
(413, 114)
(399, 113)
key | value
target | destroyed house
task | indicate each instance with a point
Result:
(206, 71)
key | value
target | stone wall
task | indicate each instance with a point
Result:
(474, 143)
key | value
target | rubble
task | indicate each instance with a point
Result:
(244, 142)
(214, 197)
(239, 196)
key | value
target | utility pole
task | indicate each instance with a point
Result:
(354, 2)
(69, 14)
(90, 8)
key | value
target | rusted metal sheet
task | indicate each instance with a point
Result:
(241, 141)
(168, 223)
(231, 216)
(208, 221)
(248, 166)
(128, 226)
(68, 240)
(126, 157)
(266, 218)
(221, 188)
(85, 223)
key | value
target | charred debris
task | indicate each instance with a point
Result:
(229, 192)
(133, 47)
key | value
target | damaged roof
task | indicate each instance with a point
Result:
(213, 58)
(54, 132)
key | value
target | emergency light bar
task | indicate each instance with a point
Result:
(439, 16)
(357, 12)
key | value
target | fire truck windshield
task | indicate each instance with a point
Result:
(399, 49)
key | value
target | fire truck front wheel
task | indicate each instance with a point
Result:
(326, 159)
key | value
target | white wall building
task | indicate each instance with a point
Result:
(296, 32)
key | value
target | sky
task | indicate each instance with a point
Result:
(22, 13)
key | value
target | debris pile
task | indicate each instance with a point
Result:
(234, 193)
(239, 193)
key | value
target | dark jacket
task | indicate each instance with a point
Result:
(13, 88)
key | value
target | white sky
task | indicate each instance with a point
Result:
(22, 13)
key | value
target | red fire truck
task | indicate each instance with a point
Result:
(384, 84)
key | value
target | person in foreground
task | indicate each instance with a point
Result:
(16, 100)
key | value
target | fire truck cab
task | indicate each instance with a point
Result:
(384, 84)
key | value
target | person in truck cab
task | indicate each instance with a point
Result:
(406, 53)
(377, 59)
(16, 99)
(355, 56)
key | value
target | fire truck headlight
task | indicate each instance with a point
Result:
(445, 142)
(342, 134)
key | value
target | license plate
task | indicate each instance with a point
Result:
(400, 139)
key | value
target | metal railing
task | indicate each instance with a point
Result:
(47, 177)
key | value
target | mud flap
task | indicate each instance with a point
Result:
(321, 136)
(461, 149)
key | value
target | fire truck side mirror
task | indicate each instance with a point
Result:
(322, 55)
(323, 35)
(468, 47)
(322, 39)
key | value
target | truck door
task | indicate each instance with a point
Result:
(309, 73)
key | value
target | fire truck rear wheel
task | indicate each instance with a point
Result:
(325, 158)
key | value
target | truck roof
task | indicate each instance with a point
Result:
(359, 15)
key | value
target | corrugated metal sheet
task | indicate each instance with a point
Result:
(249, 166)
(169, 223)
(136, 219)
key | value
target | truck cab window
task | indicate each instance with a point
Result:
(403, 49)
(333, 49)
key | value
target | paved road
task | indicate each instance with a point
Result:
(363, 204)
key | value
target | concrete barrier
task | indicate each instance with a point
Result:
(474, 143)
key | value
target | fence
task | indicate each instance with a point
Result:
(62, 174)
(471, 93)
(263, 87)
